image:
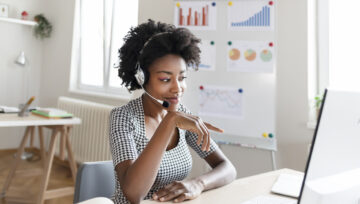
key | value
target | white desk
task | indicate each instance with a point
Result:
(58, 126)
(12, 120)
(239, 190)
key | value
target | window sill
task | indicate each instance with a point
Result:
(311, 125)
(102, 95)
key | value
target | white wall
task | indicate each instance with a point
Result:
(292, 108)
(18, 83)
(292, 84)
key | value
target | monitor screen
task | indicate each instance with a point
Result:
(335, 148)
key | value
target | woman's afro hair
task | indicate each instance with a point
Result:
(159, 39)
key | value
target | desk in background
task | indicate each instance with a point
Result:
(60, 127)
(239, 190)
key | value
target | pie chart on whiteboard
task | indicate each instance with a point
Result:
(250, 55)
(266, 55)
(234, 54)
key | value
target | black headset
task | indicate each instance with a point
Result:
(140, 75)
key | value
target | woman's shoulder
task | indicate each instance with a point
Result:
(127, 110)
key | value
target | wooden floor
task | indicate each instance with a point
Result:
(60, 177)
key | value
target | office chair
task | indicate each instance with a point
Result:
(94, 179)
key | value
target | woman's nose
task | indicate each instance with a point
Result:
(176, 86)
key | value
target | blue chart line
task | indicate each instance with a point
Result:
(262, 18)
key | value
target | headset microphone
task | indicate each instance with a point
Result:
(140, 78)
(165, 104)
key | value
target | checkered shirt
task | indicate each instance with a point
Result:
(128, 140)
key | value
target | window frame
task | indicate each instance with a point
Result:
(76, 86)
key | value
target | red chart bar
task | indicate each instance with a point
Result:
(189, 17)
(203, 16)
(180, 17)
(196, 18)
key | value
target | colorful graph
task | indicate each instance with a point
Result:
(221, 102)
(251, 15)
(194, 17)
(266, 55)
(197, 15)
(250, 56)
(261, 18)
(234, 54)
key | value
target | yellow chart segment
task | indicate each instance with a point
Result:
(234, 54)
(250, 55)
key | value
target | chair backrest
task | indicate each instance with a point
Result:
(94, 179)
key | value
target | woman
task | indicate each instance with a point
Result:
(149, 136)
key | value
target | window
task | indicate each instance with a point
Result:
(338, 34)
(333, 39)
(99, 28)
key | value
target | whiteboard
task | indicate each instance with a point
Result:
(258, 88)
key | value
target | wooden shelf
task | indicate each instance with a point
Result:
(19, 21)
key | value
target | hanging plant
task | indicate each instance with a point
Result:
(44, 28)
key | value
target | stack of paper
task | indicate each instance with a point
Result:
(288, 184)
(52, 113)
(7, 109)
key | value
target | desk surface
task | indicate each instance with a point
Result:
(240, 190)
(13, 120)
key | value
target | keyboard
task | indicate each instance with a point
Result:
(270, 200)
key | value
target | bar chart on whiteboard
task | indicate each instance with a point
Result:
(195, 15)
(251, 15)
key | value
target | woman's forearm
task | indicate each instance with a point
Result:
(140, 176)
(222, 174)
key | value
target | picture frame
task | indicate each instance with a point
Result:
(4, 10)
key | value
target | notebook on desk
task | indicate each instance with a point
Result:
(288, 185)
(7, 109)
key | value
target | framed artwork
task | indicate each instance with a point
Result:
(4, 10)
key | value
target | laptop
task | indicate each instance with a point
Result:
(335, 149)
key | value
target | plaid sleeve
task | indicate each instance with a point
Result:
(191, 139)
(122, 142)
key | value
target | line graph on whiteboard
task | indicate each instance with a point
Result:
(221, 102)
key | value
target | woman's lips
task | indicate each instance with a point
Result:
(173, 100)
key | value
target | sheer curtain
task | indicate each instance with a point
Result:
(344, 42)
(100, 28)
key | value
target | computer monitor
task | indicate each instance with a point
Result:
(335, 152)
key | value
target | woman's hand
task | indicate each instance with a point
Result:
(195, 124)
(179, 191)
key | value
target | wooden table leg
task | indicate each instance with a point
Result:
(62, 143)
(32, 135)
(17, 160)
(70, 154)
(42, 148)
(48, 163)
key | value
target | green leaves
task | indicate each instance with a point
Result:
(44, 27)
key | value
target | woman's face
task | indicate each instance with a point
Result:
(167, 79)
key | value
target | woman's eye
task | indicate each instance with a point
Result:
(165, 79)
(182, 78)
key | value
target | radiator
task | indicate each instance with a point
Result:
(90, 140)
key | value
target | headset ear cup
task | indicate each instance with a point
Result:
(140, 76)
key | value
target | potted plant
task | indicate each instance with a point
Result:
(44, 28)
(318, 102)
